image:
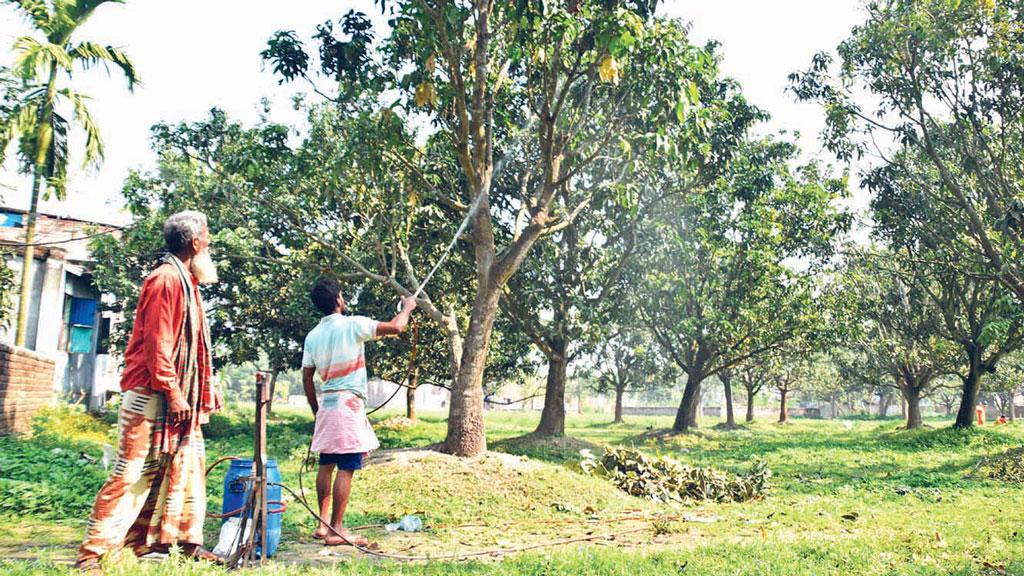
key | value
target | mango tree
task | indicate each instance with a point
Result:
(1006, 383)
(627, 361)
(979, 313)
(944, 82)
(788, 370)
(493, 78)
(718, 286)
(261, 306)
(752, 375)
(901, 331)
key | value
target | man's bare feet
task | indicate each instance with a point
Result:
(199, 553)
(204, 554)
(346, 538)
(321, 532)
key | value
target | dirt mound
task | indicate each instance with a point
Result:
(557, 449)
(1008, 466)
(445, 489)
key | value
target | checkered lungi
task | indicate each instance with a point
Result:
(151, 500)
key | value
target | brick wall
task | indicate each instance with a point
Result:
(26, 385)
(649, 410)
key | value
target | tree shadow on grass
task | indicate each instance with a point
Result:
(673, 437)
(946, 438)
(608, 424)
(883, 460)
(748, 443)
(884, 478)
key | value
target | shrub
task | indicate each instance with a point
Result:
(47, 481)
(64, 422)
(226, 425)
(1008, 466)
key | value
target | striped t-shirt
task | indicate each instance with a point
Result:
(335, 348)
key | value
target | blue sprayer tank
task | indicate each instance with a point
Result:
(236, 493)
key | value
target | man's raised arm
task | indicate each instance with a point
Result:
(399, 322)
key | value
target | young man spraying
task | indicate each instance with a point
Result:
(342, 434)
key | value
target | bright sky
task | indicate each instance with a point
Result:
(197, 54)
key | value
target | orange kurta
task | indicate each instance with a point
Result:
(149, 358)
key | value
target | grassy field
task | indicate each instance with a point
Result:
(860, 497)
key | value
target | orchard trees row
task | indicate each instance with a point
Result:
(628, 218)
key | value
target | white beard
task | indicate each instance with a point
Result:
(204, 268)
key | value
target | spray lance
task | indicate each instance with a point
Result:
(451, 245)
(499, 167)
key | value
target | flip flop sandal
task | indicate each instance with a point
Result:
(338, 541)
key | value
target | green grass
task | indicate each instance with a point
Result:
(863, 499)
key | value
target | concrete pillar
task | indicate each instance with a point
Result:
(50, 320)
(51, 307)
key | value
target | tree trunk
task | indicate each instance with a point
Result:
(410, 395)
(730, 419)
(1013, 408)
(24, 297)
(552, 419)
(971, 385)
(750, 404)
(466, 435)
(833, 406)
(783, 406)
(883, 404)
(686, 416)
(451, 327)
(620, 389)
(696, 406)
(912, 401)
(273, 388)
(1000, 400)
(44, 139)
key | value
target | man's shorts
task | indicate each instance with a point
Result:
(350, 462)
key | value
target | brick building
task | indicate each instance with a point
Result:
(66, 323)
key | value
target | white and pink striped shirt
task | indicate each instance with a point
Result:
(335, 348)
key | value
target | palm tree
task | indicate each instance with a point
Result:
(41, 124)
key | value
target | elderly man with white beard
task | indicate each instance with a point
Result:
(155, 496)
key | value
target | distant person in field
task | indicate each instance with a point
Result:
(342, 434)
(155, 496)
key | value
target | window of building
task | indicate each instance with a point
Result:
(80, 319)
